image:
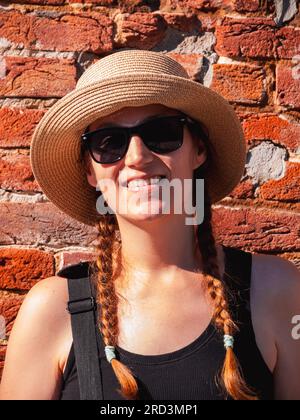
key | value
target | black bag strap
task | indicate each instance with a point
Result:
(81, 306)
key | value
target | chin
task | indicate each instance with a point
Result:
(142, 214)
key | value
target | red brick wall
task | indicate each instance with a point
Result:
(234, 46)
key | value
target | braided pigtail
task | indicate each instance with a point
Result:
(108, 301)
(231, 375)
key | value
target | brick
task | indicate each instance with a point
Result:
(285, 189)
(251, 37)
(190, 6)
(17, 126)
(271, 127)
(15, 27)
(294, 257)
(9, 306)
(139, 30)
(247, 5)
(61, 2)
(37, 77)
(65, 258)
(256, 38)
(288, 85)
(288, 42)
(41, 224)
(191, 62)
(132, 6)
(90, 32)
(20, 269)
(16, 173)
(239, 83)
(96, 2)
(243, 190)
(44, 2)
(182, 22)
(257, 229)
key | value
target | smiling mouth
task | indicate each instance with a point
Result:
(142, 184)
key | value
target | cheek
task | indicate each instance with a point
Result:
(180, 163)
(104, 177)
(99, 172)
(105, 171)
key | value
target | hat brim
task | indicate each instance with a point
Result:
(55, 146)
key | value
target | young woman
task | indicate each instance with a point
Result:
(179, 315)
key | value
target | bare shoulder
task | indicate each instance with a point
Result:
(46, 304)
(274, 274)
(276, 305)
(52, 290)
(275, 299)
(275, 285)
(47, 300)
(37, 343)
(47, 288)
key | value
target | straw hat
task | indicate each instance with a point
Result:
(129, 78)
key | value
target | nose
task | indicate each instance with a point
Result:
(137, 153)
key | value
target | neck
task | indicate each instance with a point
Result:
(159, 255)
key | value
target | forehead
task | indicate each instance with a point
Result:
(133, 115)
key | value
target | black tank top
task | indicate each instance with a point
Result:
(188, 373)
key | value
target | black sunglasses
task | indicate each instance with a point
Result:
(161, 135)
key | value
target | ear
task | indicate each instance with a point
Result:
(90, 173)
(199, 155)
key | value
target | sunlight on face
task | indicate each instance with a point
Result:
(144, 203)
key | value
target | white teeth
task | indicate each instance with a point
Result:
(139, 183)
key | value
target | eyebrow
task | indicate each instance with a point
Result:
(149, 118)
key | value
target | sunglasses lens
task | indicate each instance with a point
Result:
(163, 135)
(107, 146)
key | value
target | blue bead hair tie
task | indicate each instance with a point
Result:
(110, 353)
(228, 341)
